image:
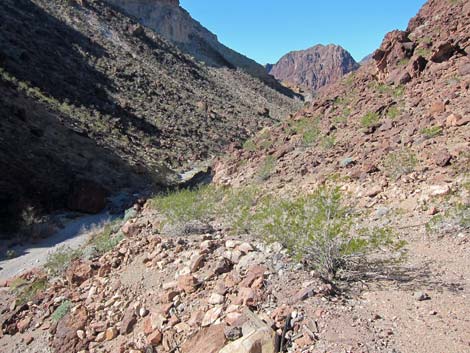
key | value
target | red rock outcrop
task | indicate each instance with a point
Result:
(315, 67)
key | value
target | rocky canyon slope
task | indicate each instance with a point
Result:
(176, 275)
(174, 23)
(315, 67)
(92, 101)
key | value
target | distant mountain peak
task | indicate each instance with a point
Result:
(314, 67)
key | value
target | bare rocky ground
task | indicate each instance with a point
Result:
(168, 292)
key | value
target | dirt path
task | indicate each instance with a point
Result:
(73, 235)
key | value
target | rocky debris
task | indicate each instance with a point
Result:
(219, 305)
(314, 67)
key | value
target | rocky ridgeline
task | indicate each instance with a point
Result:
(196, 293)
(315, 67)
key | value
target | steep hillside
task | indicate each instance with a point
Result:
(83, 69)
(174, 23)
(314, 67)
(411, 99)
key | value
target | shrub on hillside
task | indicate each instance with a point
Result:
(400, 163)
(319, 231)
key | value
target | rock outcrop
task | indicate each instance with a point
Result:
(315, 67)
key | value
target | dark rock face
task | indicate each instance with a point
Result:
(315, 67)
(87, 196)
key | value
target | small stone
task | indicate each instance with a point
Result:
(197, 263)
(421, 296)
(128, 322)
(155, 338)
(211, 316)
(28, 339)
(143, 312)
(100, 337)
(233, 333)
(187, 283)
(245, 248)
(111, 333)
(216, 298)
(81, 334)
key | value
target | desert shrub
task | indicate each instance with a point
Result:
(58, 261)
(319, 231)
(307, 128)
(393, 112)
(400, 163)
(249, 145)
(455, 219)
(267, 168)
(236, 208)
(328, 142)
(431, 131)
(369, 120)
(62, 310)
(106, 239)
(188, 204)
(26, 291)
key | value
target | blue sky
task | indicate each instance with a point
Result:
(264, 30)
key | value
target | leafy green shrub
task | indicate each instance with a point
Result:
(106, 240)
(328, 142)
(188, 204)
(249, 145)
(455, 219)
(62, 310)
(431, 132)
(26, 291)
(307, 128)
(236, 208)
(319, 231)
(393, 112)
(58, 261)
(369, 120)
(400, 163)
(267, 168)
(424, 52)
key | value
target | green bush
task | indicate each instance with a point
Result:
(400, 163)
(431, 132)
(106, 240)
(58, 261)
(319, 231)
(455, 219)
(188, 204)
(249, 145)
(26, 291)
(267, 168)
(236, 208)
(61, 311)
(369, 120)
(393, 112)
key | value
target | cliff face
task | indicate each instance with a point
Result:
(174, 23)
(315, 67)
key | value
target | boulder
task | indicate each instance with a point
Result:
(208, 340)
(257, 337)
